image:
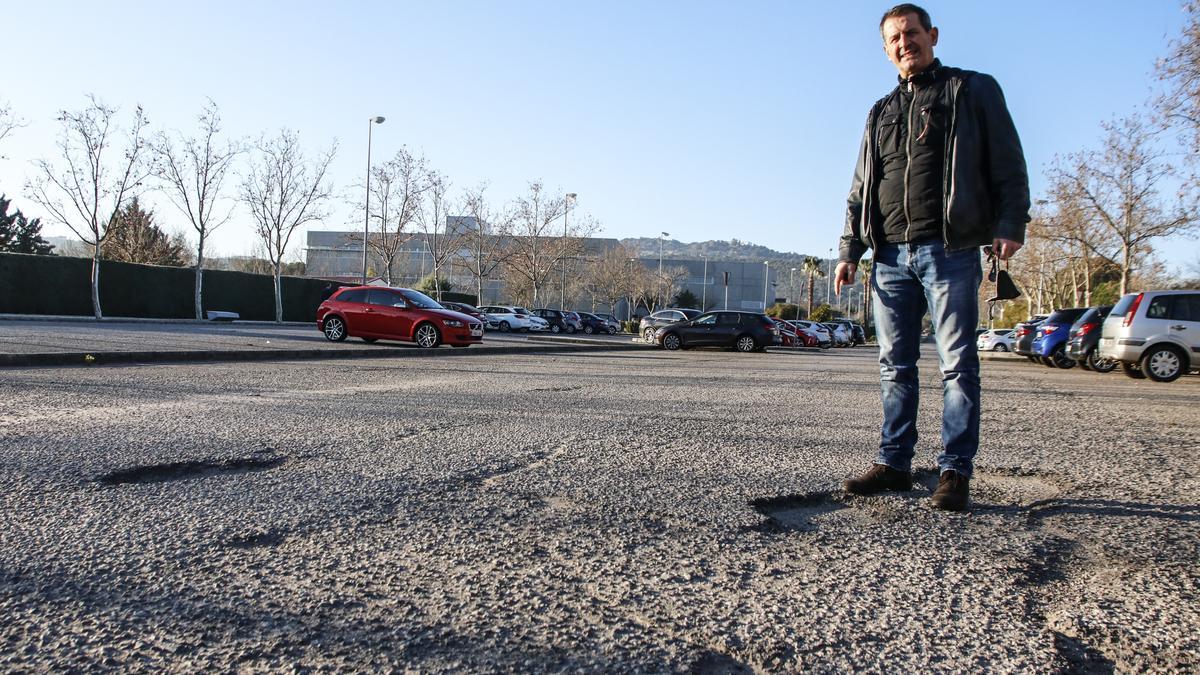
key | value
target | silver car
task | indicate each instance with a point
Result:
(1154, 334)
(995, 340)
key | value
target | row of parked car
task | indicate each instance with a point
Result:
(681, 328)
(506, 318)
(1153, 334)
(381, 313)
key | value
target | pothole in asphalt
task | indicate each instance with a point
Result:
(258, 539)
(800, 512)
(1001, 487)
(713, 663)
(163, 473)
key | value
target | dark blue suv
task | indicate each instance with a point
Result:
(1050, 342)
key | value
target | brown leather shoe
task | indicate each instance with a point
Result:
(879, 478)
(952, 490)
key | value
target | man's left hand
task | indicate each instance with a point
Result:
(1005, 248)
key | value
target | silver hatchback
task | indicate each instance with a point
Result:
(1155, 334)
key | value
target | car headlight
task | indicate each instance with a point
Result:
(453, 323)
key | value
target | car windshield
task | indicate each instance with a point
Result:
(521, 310)
(420, 300)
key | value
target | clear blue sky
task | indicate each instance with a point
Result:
(710, 120)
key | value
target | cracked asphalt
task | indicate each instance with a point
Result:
(603, 511)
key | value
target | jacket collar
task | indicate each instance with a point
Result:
(927, 76)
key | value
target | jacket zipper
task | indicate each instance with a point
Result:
(908, 159)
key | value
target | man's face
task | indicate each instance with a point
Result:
(908, 45)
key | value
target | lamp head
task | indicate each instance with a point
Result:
(377, 120)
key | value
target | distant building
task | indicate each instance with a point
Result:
(338, 255)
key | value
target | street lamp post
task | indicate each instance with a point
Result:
(660, 250)
(367, 208)
(829, 281)
(562, 301)
(704, 286)
(792, 284)
(766, 278)
(629, 306)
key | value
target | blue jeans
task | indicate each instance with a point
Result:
(907, 279)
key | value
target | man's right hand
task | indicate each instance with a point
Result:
(844, 276)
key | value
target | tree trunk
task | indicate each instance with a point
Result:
(278, 296)
(1125, 265)
(199, 280)
(96, 284)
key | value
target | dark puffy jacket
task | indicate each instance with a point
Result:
(986, 187)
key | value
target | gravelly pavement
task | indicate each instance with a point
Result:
(633, 512)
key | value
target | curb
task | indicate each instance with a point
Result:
(213, 356)
(49, 318)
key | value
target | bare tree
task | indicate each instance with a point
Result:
(441, 239)
(1120, 185)
(536, 250)
(485, 247)
(8, 121)
(1179, 105)
(95, 179)
(283, 191)
(398, 187)
(193, 173)
(610, 275)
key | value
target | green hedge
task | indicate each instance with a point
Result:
(60, 285)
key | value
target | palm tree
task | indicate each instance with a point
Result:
(812, 267)
(864, 268)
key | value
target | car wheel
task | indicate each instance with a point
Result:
(335, 329)
(745, 343)
(1163, 363)
(427, 336)
(612, 331)
(648, 334)
(505, 327)
(1100, 365)
(589, 330)
(554, 328)
(1000, 348)
(671, 342)
(369, 340)
(1060, 359)
(1132, 370)
(571, 330)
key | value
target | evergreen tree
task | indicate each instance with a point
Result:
(133, 237)
(20, 235)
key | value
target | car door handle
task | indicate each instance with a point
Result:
(368, 310)
(1179, 327)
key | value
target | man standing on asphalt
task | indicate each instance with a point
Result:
(940, 173)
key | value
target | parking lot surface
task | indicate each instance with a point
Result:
(638, 511)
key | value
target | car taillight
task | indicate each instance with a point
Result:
(1046, 330)
(1086, 328)
(1022, 331)
(519, 316)
(1132, 310)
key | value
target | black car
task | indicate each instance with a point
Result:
(1085, 337)
(743, 331)
(1023, 336)
(560, 321)
(594, 324)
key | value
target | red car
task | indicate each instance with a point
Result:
(377, 313)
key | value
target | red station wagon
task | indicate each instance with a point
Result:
(377, 313)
